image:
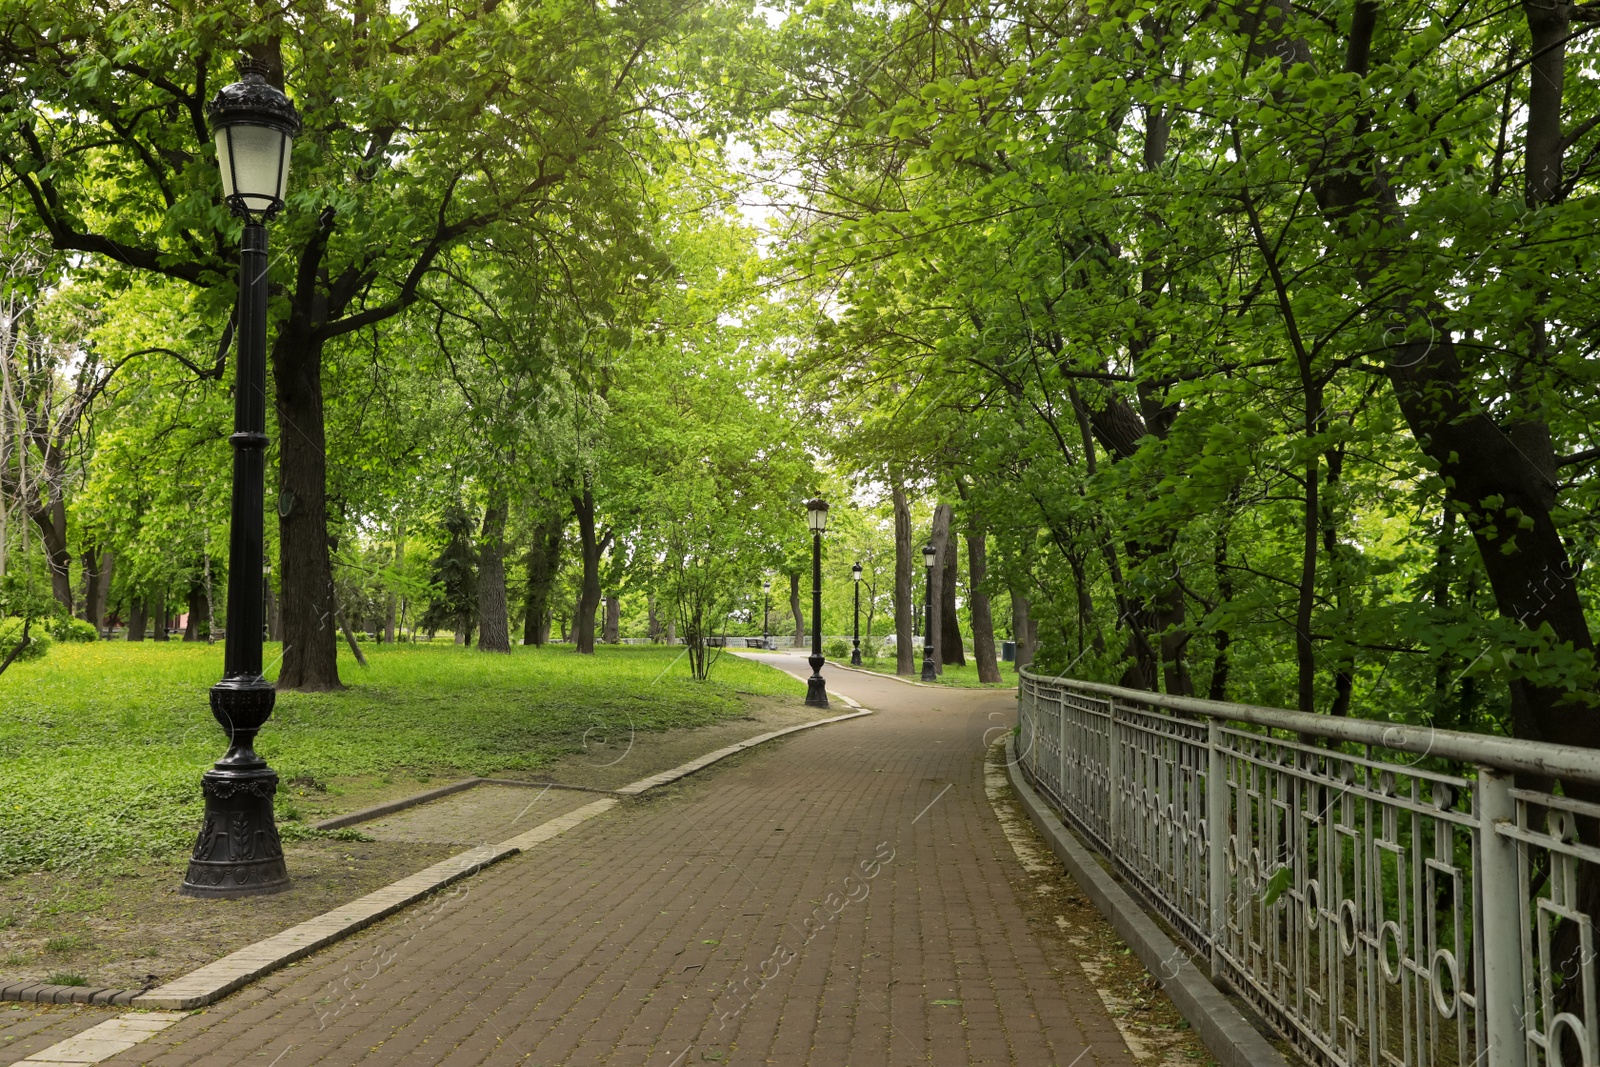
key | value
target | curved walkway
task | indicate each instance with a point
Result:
(843, 897)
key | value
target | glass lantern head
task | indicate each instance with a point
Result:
(930, 555)
(254, 125)
(817, 515)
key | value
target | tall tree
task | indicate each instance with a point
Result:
(498, 112)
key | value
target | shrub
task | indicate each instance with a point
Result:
(66, 628)
(11, 635)
(838, 650)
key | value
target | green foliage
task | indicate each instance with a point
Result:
(67, 628)
(1216, 358)
(455, 577)
(39, 640)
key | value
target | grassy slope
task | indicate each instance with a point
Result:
(102, 745)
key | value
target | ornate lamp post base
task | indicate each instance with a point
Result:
(238, 853)
(816, 687)
(855, 655)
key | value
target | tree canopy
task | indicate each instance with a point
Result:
(1243, 350)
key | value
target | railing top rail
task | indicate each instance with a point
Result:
(1505, 753)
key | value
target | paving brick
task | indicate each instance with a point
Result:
(594, 947)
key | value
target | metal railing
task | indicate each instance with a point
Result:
(1381, 895)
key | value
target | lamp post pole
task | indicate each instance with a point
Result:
(237, 852)
(855, 651)
(929, 556)
(766, 613)
(816, 688)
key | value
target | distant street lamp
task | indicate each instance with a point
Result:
(816, 688)
(766, 613)
(238, 853)
(929, 557)
(855, 652)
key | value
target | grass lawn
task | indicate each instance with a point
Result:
(102, 745)
(956, 677)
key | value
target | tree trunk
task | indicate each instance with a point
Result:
(274, 616)
(350, 639)
(198, 610)
(92, 586)
(982, 620)
(672, 631)
(308, 613)
(613, 624)
(1221, 663)
(494, 627)
(1024, 629)
(954, 650)
(655, 624)
(940, 539)
(904, 593)
(589, 590)
(136, 618)
(108, 569)
(544, 560)
(52, 522)
(158, 614)
(799, 616)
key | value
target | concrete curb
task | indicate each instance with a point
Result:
(1225, 1031)
(380, 810)
(103, 1041)
(238, 969)
(44, 993)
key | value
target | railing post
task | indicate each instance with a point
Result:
(1216, 842)
(1500, 896)
(1114, 778)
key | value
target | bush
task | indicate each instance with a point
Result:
(838, 650)
(39, 641)
(66, 628)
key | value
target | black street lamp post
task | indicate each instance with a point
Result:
(238, 853)
(766, 613)
(929, 557)
(816, 688)
(855, 651)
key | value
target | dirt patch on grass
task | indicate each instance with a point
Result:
(125, 926)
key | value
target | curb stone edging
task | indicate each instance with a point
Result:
(44, 993)
(103, 1041)
(1221, 1026)
(389, 808)
(217, 979)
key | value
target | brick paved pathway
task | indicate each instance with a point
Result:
(842, 897)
